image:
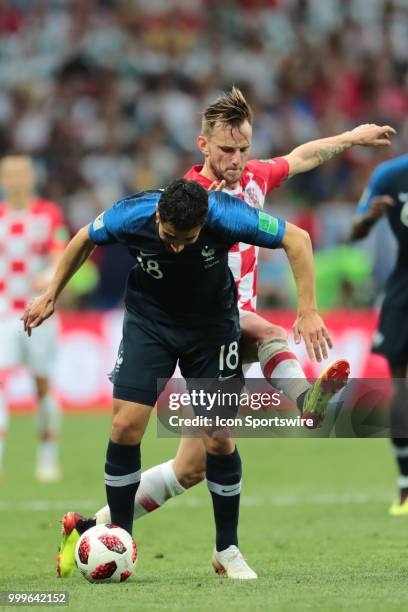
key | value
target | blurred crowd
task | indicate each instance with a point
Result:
(106, 96)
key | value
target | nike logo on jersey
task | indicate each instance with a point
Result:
(143, 254)
(226, 377)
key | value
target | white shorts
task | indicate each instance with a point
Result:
(37, 352)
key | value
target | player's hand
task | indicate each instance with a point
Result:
(372, 135)
(378, 207)
(311, 328)
(217, 186)
(38, 311)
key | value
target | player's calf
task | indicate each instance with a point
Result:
(399, 433)
(123, 463)
(189, 463)
(224, 473)
(282, 369)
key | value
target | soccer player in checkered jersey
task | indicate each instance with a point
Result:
(32, 236)
(225, 142)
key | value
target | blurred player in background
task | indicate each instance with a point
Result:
(32, 236)
(387, 195)
(225, 142)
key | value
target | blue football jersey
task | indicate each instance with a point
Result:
(391, 178)
(195, 286)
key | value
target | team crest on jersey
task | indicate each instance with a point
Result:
(208, 253)
(253, 194)
(209, 257)
(252, 197)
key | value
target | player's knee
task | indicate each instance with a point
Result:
(271, 332)
(259, 336)
(125, 430)
(191, 472)
(191, 477)
(43, 387)
(220, 446)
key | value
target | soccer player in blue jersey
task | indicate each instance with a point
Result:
(181, 306)
(387, 195)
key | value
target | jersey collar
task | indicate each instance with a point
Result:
(195, 175)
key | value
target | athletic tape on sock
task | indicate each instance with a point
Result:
(402, 482)
(224, 490)
(401, 451)
(122, 481)
(282, 368)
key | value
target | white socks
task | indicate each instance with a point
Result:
(157, 485)
(282, 369)
(48, 422)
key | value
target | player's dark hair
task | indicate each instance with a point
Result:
(230, 109)
(184, 204)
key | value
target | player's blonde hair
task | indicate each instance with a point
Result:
(231, 109)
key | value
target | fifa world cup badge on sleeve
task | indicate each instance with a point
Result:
(268, 224)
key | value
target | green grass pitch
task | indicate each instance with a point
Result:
(314, 525)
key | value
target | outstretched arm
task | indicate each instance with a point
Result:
(76, 253)
(308, 324)
(316, 152)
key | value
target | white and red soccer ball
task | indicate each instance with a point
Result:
(106, 553)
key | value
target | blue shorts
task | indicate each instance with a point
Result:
(150, 350)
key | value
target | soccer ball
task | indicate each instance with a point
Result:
(106, 553)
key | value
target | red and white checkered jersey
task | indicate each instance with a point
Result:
(258, 179)
(27, 239)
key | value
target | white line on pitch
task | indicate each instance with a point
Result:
(40, 505)
(295, 500)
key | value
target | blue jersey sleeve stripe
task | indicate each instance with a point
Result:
(281, 230)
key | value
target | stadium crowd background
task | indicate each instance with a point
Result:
(106, 96)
